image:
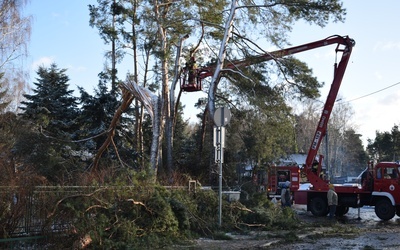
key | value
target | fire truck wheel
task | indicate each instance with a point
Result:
(318, 206)
(398, 211)
(340, 210)
(384, 209)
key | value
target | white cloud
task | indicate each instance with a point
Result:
(391, 100)
(43, 61)
(376, 113)
(76, 68)
(388, 45)
(391, 45)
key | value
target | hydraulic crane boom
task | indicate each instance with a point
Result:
(320, 132)
(193, 83)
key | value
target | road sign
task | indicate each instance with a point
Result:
(222, 116)
(219, 144)
(219, 136)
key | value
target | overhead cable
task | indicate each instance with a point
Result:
(373, 92)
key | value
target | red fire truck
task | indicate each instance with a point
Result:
(380, 183)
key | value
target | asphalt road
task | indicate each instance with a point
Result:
(370, 233)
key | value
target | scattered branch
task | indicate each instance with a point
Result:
(139, 203)
(70, 197)
(242, 208)
(94, 206)
(252, 225)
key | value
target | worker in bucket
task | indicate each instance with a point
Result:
(285, 195)
(332, 200)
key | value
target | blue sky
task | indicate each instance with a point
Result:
(61, 34)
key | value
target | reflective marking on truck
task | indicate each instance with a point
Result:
(322, 122)
(316, 139)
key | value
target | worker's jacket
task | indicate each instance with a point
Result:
(285, 197)
(332, 197)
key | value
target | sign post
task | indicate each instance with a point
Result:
(222, 116)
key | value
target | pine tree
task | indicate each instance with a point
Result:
(158, 27)
(385, 146)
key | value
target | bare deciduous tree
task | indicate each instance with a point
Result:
(15, 34)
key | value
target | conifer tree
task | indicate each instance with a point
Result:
(160, 26)
(50, 112)
(385, 146)
(52, 107)
(96, 112)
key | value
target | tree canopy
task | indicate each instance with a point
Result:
(124, 129)
(386, 145)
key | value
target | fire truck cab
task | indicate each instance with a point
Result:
(382, 182)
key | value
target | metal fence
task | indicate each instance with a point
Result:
(28, 211)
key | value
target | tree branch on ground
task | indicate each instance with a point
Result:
(73, 196)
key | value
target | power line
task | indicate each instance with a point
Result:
(373, 92)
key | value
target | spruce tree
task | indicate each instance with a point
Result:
(96, 114)
(52, 107)
(46, 146)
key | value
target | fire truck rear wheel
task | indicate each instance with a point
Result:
(384, 209)
(340, 210)
(398, 211)
(318, 206)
